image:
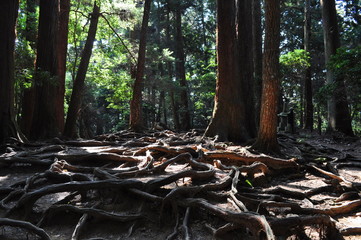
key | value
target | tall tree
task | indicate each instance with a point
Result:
(45, 122)
(185, 118)
(267, 134)
(79, 82)
(308, 115)
(62, 47)
(28, 98)
(136, 121)
(257, 54)
(229, 121)
(246, 64)
(8, 16)
(339, 118)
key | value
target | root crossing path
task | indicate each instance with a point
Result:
(166, 185)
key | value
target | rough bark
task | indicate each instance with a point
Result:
(78, 88)
(31, 30)
(8, 16)
(339, 118)
(62, 47)
(185, 120)
(267, 135)
(45, 123)
(173, 100)
(229, 121)
(246, 67)
(136, 120)
(28, 97)
(308, 117)
(257, 55)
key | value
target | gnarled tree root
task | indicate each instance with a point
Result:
(25, 225)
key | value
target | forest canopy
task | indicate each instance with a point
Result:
(180, 67)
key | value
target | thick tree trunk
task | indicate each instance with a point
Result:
(229, 121)
(246, 67)
(8, 16)
(185, 119)
(45, 122)
(308, 108)
(257, 56)
(78, 88)
(136, 120)
(267, 134)
(339, 118)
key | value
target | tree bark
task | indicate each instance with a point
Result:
(31, 30)
(339, 118)
(308, 109)
(78, 88)
(257, 56)
(62, 47)
(173, 100)
(229, 121)
(8, 16)
(246, 67)
(136, 120)
(45, 122)
(267, 134)
(185, 119)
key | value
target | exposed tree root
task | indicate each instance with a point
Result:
(180, 182)
(25, 225)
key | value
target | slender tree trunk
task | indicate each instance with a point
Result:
(136, 121)
(173, 100)
(267, 134)
(181, 74)
(62, 47)
(257, 56)
(229, 121)
(45, 122)
(308, 118)
(8, 16)
(31, 30)
(78, 88)
(28, 95)
(339, 118)
(246, 67)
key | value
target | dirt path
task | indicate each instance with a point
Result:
(163, 185)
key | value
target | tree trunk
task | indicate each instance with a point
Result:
(136, 121)
(28, 95)
(45, 123)
(246, 67)
(257, 56)
(62, 47)
(8, 16)
(267, 134)
(31, 30)
(78, 88)
(173, 100)
(308, 117)
(181, 74)
(339, 118)
(228, 121)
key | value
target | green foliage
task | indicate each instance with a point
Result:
(298, 59)
(346, 63)
(293, 66)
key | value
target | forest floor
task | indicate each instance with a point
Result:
(166, 185)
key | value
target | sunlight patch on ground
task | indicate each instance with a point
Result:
(3, 178)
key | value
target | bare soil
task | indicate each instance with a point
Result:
(166, 185)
